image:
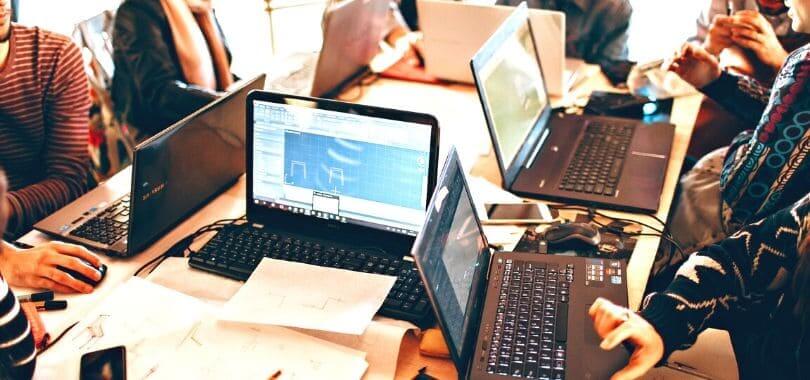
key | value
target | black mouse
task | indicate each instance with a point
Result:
(582, 232)
(101, 269)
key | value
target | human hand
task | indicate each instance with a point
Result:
(36, 267)
(695, 65)
(752, 31)
(719, 35)
(616, 324)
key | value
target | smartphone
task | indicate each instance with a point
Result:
(518, 213)
(108, 364)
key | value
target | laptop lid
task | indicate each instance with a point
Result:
(344, 171)
(452, 255)
(513, 95)
(179, 169)
(352, 32)
(454, 31)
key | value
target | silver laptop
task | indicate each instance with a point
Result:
(454, 31)
(352, 31)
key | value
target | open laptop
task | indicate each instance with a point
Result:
(593, 160)
(333, 184)
(174, 173)
(454, 31)
(510, 314)
(352, 31)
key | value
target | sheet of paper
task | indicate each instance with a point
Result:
(223, 350)
(380, 341)
(174, 273)
(150, 320)
(300, 295)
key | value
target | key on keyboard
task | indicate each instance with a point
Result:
(108, 226)
(597, 163)
(236, 251)
(531, 322)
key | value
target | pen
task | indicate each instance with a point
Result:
(41, 296)
(275, 375)
(51, 305)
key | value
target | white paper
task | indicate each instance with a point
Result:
(174, 273)
(219, 350)
(300, 295)
(148, 319)
(381, 342)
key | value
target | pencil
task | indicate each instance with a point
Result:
(275, 375)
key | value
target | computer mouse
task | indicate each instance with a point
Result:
(101, 269)
(566, 232)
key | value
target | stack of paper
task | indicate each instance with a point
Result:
(291, 294)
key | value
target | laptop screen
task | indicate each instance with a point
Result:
(450, 252)
(339, 166)
(513, 88)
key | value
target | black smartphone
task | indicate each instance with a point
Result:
(108, 364)
(518, 213)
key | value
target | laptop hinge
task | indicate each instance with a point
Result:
(489, 268)
(540, 142)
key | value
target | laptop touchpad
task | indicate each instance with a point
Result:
(591, 337)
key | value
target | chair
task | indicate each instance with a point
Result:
(111, 145)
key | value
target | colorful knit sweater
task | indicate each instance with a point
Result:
(742, 284)
(766, 169)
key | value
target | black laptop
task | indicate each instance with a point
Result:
(174, 173)
(592, 160)
(510, 314)
(333, 184)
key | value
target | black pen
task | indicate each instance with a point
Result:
(51, 305)
(34, 297)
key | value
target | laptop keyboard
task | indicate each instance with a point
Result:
(299, 81)
(531, 324)
(236, 251)
(107, 227)
(597, 163)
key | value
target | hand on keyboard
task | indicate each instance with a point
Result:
(616, 325)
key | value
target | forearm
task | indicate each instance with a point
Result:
(742, 96)
(726, 278)
(33, 203)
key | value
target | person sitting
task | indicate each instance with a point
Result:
(596, 31)
(43, 128)
(44, 106)
(755, 284)
(761, 171)
(764, 39)
(171, 59)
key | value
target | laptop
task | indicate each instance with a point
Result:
(511, 314)
(174, 173)
(454, 31)
(590, 160)
(352, 31)
(333, 184)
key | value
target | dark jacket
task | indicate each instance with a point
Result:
(149, 91)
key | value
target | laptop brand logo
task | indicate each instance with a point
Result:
(152, 192)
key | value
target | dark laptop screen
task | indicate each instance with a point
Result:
(451, 252)
(339, 166)
(512, 85)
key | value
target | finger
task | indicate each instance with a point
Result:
(77, 251)
(75, 264)
(617, 336)
(46, 283)
(596, 306)
(747, 43)
(65, 279)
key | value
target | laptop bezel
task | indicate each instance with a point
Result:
(134, 247)
(529, 149)
(391, 242)
(478, 289)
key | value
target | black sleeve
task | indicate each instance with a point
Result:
(143, 46)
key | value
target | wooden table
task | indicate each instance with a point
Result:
(461, 122)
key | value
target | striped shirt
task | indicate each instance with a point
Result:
(17, 351)
(44, 106)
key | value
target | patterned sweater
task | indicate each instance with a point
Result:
(44, 105)
(764, 168)
(742, 284)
